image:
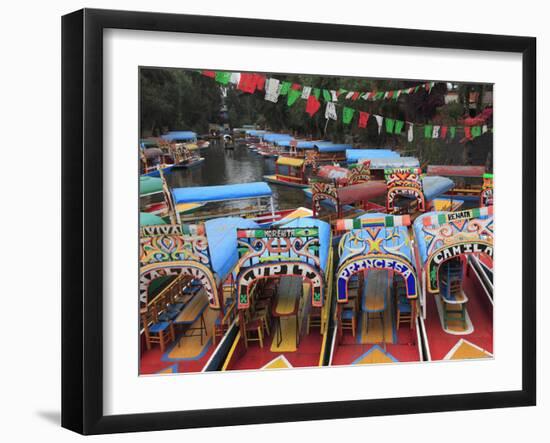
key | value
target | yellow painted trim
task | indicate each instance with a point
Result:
(290, 177)
(290, 161)
(323, 347)
(231, 351)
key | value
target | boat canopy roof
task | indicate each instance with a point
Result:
(331, 147)
(173, 136)
(426, 239)
(324, 235)
(147, 219)
(433, 186)
(393, 240)
(272, 137)
(203, 194)
(222, 242)
(149, 185)
(333, 172)
(290, 161)
(456, 171)
(394, 162)
(360, 192)
(145, 143)
(150, 153)
(354, 155)
(300, 144)
(255, 132)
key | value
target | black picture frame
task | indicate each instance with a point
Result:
(82, 218)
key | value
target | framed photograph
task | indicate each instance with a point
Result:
(271, 221)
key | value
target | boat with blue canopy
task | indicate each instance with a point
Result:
(187, 293)
(289, 171)
(329, 151)
(284, 293)
(154, 160)
(410, 192)
(269, 146)
(359, 155)
(457, 302)
(376, 317)
(469, 181)
(180, 137)
(251, 200)
(219, 193)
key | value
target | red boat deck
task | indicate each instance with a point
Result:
(155, 362)
(476, 344)
(255, 357)
(185, 354)
(349, 352)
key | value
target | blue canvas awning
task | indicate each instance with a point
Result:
(179, 136)
(434, 186)
(271, 137)
(324, 235)
(255, 132)
(354, 155)
(221, 234)
(300, 144)
(394, 162)
(331, 147)
(203, 194)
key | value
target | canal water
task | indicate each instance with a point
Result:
(240, 165)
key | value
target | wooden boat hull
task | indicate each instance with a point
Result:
(156, 172)
(276, 181)
(190, 164)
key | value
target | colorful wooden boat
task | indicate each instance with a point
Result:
(154, 160)
(180, 137)
(153, 193)
(289, 171)
(468, 180)
(457, 303)
(330, 152)
(297, 147)
(348, 200)
(187, 297)
(284, 290)
(409, 192)
(376, 319)
(379, 159)
(186, 155)
(251, 200)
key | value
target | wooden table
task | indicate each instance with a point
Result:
(375, 295)
(193, 310)
(289, 293)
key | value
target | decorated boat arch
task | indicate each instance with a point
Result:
(343, 196)
(289, 171)
(205, 252)
(486, 196)
(328, 151)
(442, 236)
(299, 248)
(410, 184)
(379, 242)
(377, 291)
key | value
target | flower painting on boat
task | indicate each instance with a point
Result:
(294, 220)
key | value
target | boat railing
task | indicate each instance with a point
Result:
(247, 213)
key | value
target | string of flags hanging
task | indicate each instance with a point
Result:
(251, 82)
(275, 89)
